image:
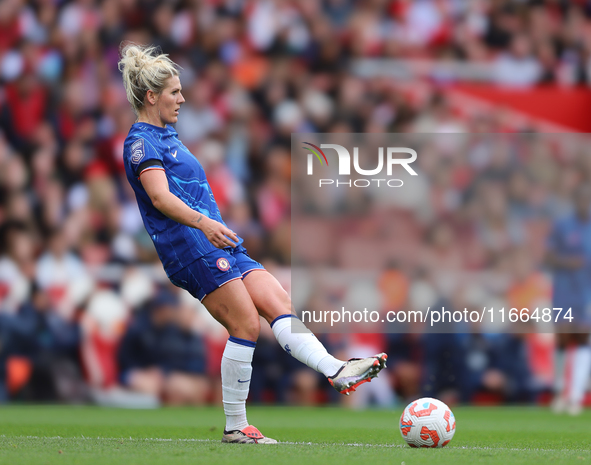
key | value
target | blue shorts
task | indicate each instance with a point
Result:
(213, 270)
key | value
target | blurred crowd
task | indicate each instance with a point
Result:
(85, 308)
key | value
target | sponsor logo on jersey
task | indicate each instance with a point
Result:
(223, 264)
(137, 151)
(173, 153)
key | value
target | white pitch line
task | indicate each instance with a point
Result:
(289, 443)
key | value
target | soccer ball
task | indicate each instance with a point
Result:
(427, 422)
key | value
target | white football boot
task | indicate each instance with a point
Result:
(248, 435)
(357, 371)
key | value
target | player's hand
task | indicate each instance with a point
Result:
(218, 234)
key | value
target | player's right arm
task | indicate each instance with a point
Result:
(156, 186)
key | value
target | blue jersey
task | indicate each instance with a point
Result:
(571, 238)
(151, 147)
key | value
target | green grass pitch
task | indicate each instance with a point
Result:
(89, 435)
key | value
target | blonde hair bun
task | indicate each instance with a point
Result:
(144, 68)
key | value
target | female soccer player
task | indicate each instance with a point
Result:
(201, 254)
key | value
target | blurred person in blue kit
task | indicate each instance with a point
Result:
(160, 355)
(569, 257)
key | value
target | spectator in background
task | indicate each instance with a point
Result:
(50, 344)
(495, 228)
(62, 275)
(161, 356)
(16, 267)
(497, 369)
(518, 67)
(199, 119)
(26, 108)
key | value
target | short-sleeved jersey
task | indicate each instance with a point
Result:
(151, 147)
(571, 237)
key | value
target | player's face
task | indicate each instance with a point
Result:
(170, 101)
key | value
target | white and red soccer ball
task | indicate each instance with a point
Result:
(427, 422)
